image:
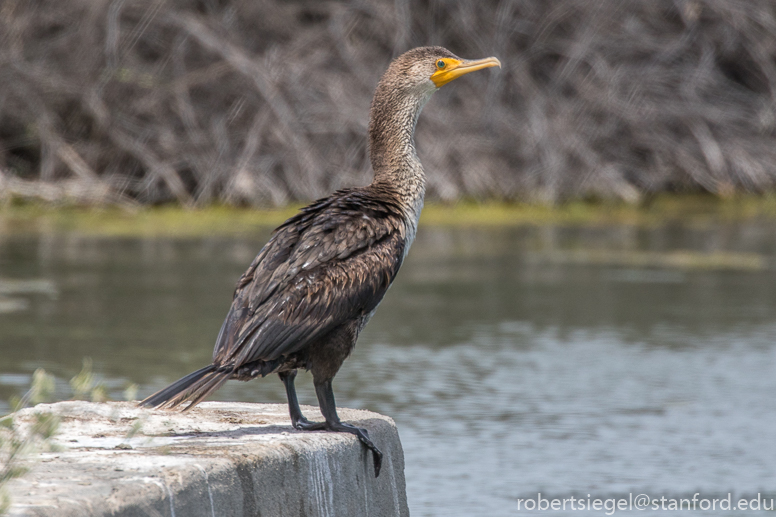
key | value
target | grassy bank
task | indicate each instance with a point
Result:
(173, 221)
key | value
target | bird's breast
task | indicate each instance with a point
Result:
(411, 226)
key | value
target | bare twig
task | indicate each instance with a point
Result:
(288, 120)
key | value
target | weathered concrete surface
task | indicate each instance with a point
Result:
(220, 459)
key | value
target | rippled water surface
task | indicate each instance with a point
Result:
(566, 361)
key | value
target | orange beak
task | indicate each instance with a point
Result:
(455, 69)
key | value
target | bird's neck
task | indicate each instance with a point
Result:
(396, 166)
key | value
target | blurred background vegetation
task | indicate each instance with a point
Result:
(265, 102)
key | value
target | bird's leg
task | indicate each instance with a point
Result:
(298, 421)
(329, 410)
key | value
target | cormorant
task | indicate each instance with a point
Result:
(315, 284)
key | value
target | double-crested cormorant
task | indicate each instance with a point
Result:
(315, 284)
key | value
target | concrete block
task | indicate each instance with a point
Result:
(219, 459)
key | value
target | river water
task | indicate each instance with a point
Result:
(592, 362)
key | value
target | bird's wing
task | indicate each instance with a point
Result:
(329, 264)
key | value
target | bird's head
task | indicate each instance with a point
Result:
(433, 67)
(406, 86)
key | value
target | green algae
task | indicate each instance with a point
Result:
(166, 221)
(174, 221)
(677, 259)
(662, 209)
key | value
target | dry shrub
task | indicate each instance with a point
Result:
(264, 102)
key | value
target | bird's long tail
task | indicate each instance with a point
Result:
(194, 387)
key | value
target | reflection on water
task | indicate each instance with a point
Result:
(567, 361)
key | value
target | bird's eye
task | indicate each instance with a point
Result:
(440, 64)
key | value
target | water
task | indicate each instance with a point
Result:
(566, 361)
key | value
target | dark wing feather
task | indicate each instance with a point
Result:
(331, 263)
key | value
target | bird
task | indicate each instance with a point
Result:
(313, 287)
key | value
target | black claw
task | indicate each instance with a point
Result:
(377, 456)
(362, 435)
(299, 423)
(306, 425)
(339, 427)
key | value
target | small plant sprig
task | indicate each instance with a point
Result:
(15, 444)
(84, 385)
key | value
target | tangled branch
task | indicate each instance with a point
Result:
(238, 101)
